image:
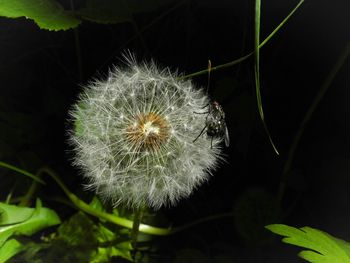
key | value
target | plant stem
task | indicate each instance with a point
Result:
(103, 215)
(135, 227)
(326, 84)
(257, 72)
(200, 221)
(25, 201)
(241, 59)
(147, 229)
(21, 171)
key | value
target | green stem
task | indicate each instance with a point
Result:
(25, 201)
(18, 170)
(102, 215)
(200, 221)
(241, 59)
(326, 84)
(257, 72)
(147, 229)
(135, 227)
(9, 198)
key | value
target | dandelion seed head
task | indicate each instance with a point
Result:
(133, 136)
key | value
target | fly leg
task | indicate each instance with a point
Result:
(200, 133)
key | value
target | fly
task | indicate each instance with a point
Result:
(215, 124)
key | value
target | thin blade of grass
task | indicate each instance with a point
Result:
(241, 59)
(257, 71)
(18, 170)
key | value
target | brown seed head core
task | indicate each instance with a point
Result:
(148, 132)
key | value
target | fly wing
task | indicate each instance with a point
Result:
(226, 137)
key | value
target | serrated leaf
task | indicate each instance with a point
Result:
(25, 221)
(47, 14)
(324, 248)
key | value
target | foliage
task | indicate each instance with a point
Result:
(78, 239)
(323, 248)
(50, 15)
(257, 71)
(16, 221)
(82, 238)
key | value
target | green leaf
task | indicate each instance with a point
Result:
(47, 14)
(86, 238)
(104, 254)
(9, 249)
(324, 248)
(96, 204)
(32, 252)
(25, 221)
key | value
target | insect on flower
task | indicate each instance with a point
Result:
(215, 124)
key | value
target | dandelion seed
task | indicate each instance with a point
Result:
(134, 135)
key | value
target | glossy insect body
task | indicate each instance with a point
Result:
(215, 125)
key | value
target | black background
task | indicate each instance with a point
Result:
(40, 80)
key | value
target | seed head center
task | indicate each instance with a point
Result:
(149, 128)
(148, 132)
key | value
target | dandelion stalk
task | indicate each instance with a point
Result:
(135, 227)
(80, 204)
(146, 229)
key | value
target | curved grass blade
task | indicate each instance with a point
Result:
(18, 170)
(245, 57)
(257, 71)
